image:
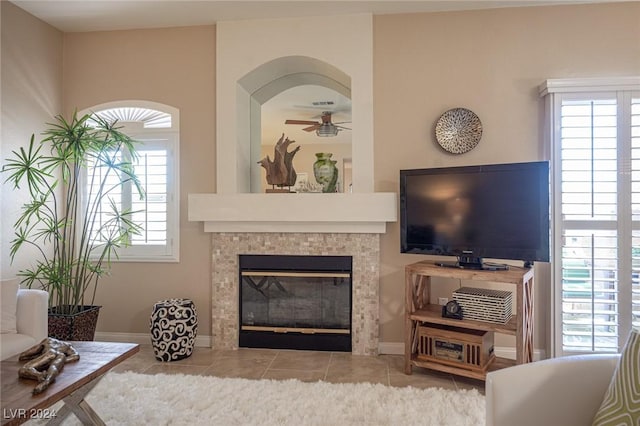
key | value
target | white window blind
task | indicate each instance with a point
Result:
(151, 211)
(588, 155)
(96, 177)
(635, 208)
(596, 167)
(156, 166)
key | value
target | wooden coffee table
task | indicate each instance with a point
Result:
(71, 385)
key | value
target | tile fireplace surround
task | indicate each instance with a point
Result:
(364, 249)
(254, 61)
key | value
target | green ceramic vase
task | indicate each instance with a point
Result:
(325, 171)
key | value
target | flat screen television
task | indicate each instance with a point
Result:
(497, 211)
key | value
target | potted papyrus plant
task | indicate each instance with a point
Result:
(73, 216)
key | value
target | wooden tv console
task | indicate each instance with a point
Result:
(419, 311)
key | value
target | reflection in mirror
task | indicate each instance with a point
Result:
(319, 120)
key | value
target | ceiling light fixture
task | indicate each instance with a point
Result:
(326, 130)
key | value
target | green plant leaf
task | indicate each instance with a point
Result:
(75, 240)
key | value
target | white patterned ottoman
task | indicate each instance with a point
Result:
(174, 326)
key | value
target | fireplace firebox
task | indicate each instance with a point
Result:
(295, 302)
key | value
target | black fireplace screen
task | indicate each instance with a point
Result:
(298, 302)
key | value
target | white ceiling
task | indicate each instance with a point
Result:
(295, 103)
(105, 15)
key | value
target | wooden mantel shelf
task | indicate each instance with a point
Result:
(296, 212)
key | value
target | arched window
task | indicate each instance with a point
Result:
(156, 127)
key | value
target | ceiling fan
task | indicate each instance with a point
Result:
(324, 128)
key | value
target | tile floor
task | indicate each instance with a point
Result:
(336, 367)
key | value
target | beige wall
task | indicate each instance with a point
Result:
(492, 63)
(31, 94)
(489, 61)
(175, 67)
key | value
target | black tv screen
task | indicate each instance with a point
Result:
(498, 211)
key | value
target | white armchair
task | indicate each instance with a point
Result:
(31, 323)
(559, 391)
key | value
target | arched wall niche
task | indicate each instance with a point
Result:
(282, 73)
(263, 83)
(339, 49)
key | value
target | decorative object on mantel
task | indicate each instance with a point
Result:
(304, 185)
(458, 130)
(280, 171)
(307, 186)
(325, 171)
(46, 360)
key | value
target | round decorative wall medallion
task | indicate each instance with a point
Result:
(458, 130)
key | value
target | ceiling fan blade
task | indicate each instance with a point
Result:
(312, 128)
(341, 122)
(300, 122)
(342, 127)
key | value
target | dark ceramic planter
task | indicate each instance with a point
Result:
(80, 326)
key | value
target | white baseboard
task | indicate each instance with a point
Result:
(391, 348)
(385, 348)
(397, 348)
(143, 338)
(510, 353)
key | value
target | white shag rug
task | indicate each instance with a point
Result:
(167, 399)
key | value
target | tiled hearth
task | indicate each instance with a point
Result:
(306, 366)
(364, 249)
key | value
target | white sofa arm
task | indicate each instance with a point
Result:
(559, 391)
(32, 313)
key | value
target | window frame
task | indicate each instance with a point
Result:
(171, 136)
(623, 89)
